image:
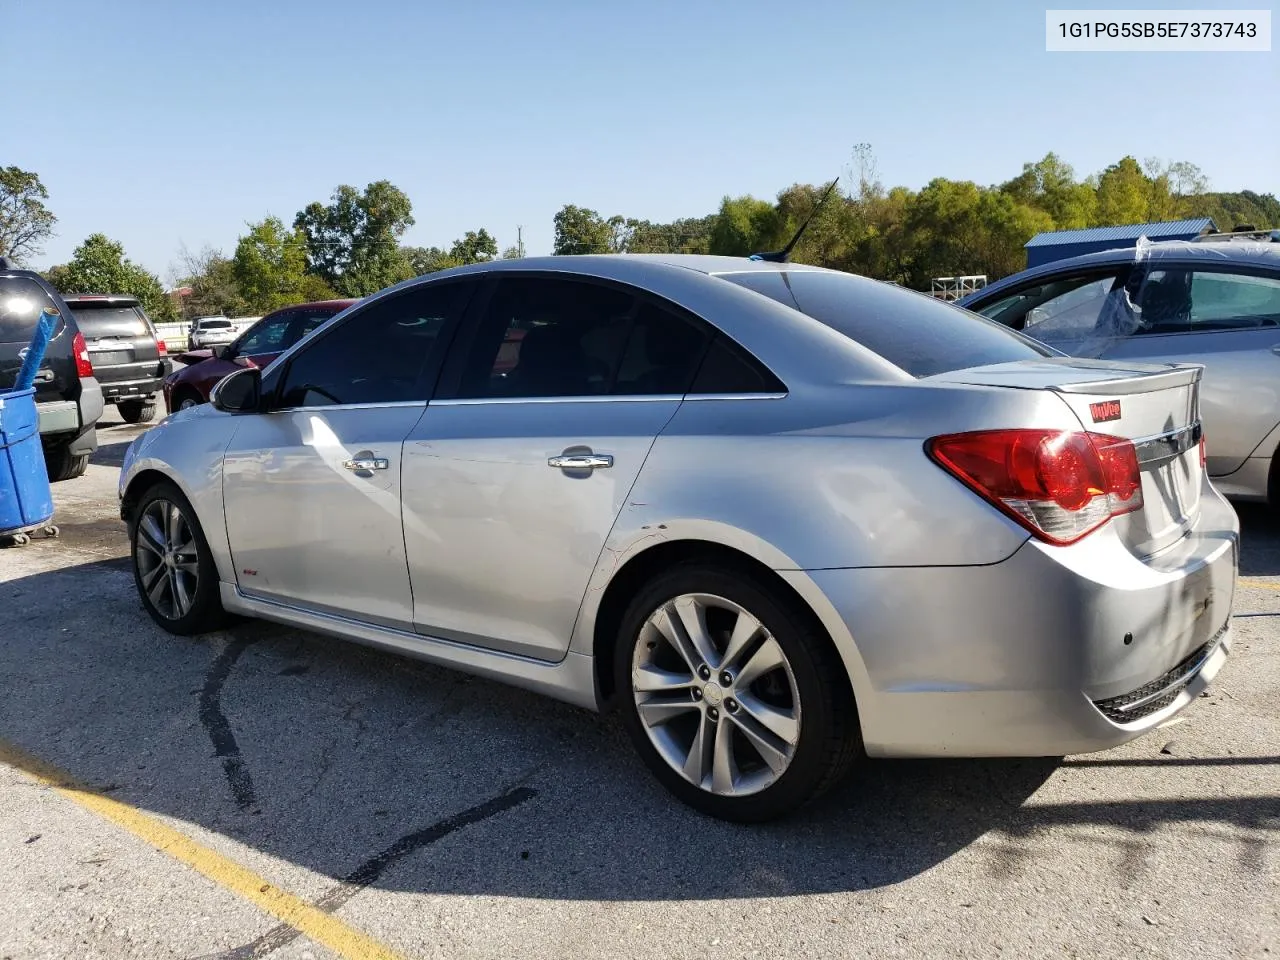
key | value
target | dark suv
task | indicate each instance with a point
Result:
(129, 359)
(68, 397)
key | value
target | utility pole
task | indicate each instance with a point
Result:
(520, 239)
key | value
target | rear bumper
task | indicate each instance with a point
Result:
(72, 416)
(113, 392)
(1022, 657)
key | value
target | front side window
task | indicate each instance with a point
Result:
(1059, 309)
(382, 354)
(266, 336)
(544, 337)
(1188, 301)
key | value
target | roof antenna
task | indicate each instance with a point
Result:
(780, 256)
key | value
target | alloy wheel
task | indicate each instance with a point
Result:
(716, 694)
(167, 559)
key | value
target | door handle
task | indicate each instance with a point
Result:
(581, 461)
(364, 464)
(1276, 349)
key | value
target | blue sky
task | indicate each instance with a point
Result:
(169, 123)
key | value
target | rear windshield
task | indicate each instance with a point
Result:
(921, 335)
(21, 300)
(214, 324)
(108, 320)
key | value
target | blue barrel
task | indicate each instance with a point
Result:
(26, 499)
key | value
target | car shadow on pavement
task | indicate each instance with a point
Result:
(1260, 536)
(376, 770)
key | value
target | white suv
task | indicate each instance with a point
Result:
(211, 332)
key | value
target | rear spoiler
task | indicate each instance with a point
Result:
(1178, 375)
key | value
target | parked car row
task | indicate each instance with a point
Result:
(780, 517)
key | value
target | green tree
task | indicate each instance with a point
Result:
(99, 266)
(353, 241)
(579, 230)
(1124, 194)
(269, 267)
(476, 246)
(743, 226)
(958, 228)
(212, 282)
(1230, 210)
(686, 235)
(25, 222)
(1050, 185)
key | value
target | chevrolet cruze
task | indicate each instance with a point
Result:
(780, 517)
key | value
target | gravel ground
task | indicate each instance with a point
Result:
(444, 816)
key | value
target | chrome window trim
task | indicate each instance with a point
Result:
(619, 398)
(352, 406)
(630, 398)
(736, 396)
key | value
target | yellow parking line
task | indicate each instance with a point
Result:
(302, 916)
(1267, 584)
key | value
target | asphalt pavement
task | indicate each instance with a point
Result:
(267, 792)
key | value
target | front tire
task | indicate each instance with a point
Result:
(186, 399)
(173, 568)
(137, 411)
(733, 696)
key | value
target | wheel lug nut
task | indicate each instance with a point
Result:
(726, 679)
(731, 706)
(697, 694)
(704, 672)
(713, 713)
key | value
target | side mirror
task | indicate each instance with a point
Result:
(239, 392)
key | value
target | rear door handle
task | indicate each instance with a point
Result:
(365, 464)
(581, 461)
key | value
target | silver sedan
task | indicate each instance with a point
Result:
(780, 517)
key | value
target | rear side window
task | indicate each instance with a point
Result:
(727, 369)
(553, 337)
(917, 333)
(21, 300)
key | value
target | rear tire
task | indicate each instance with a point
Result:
(774, 665)
(173, 568)
(61, 464)
(137, 411)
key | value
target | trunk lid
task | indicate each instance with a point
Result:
(1155, 405)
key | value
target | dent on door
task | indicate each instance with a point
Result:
(313, 510)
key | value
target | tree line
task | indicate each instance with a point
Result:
(351, 245)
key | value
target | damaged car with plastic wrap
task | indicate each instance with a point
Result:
(1211, 302)
(780, 517)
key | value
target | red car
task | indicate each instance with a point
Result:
(271, 336)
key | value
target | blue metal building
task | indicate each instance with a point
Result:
(1061, 244)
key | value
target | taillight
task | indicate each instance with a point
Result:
(162, 347)
(1060, 485)
(84, 367)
